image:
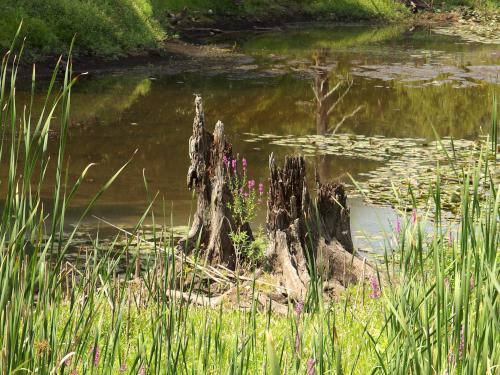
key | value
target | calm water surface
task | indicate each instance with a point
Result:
(405, 81)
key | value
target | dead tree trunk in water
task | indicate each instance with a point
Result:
(306, 235)
(208, 175)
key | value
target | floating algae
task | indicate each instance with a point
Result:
(404, 165)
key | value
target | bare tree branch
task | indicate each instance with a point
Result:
(339, 124)
(339, 99)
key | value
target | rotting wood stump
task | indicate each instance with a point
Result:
(213, 220)
(306, 235)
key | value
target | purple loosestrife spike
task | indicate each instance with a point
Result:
(299, 307)
(261, 188)
(251, 184)
(310, 366)
(414, 216)
(97, 355)
(244, 164)
(375, 289)
(398, 225)
(462, 343)
(233, 164)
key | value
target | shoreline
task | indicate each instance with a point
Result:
(192, 42)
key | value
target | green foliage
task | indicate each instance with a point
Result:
(360, 9)
(442, 305)
(244, 195)
(114, 27)
(245, 200)
(253, 252)
(101, 27)
(438, 311)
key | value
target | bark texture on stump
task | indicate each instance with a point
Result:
(306, 235)
(208, 176)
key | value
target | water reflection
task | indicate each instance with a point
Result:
(115, 115)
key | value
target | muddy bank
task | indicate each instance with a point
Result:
(195, 47)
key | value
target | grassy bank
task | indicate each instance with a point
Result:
(119, 27)
(101, 27)
(433, 310)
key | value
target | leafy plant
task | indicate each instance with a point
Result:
(246, 197)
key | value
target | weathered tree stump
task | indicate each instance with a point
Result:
(208, 175)
(307, 236)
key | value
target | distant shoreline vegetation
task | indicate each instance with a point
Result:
(120, 27)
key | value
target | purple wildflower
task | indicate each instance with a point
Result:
(244, 164)
(251, 184)
(310, 366)
(299, 307)
(414, 216)
(398, 225)
(97, 355)
(451, 357)
(225, 160)
(462, 343)
(261, 188)
(142, 370)
(233, 164)
(375, 289)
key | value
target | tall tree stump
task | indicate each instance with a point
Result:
(208, 176)
(307, 236)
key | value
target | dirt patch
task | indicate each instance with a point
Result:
(174, 56)
(469, 24)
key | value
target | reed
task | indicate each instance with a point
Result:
(113, 311)
(441, 307)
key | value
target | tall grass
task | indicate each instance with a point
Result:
(32, 245)
(442, 307)
(107, 314)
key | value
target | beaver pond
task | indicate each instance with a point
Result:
(395, 86)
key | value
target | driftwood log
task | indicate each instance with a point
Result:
(208, 176)
(307, 236)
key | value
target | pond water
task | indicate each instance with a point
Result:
(405, 81)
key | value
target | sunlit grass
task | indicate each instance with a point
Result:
(437, 310)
